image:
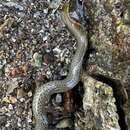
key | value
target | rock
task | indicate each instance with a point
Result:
(4, 109)
(20, 93)
(6, 99)
(47, 58)
(10, 107)
(22, 99)
(55, 4)
(11, 86)
(37, 59)
(1, 70)
(65, 123)
(19, 111)
(37, 14)
(3, 119)
(19, 122)
(58, 98)
(12, 99)
(29, 94)
(100, 111)
(14, 72)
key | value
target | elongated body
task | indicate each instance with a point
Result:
(43, 93)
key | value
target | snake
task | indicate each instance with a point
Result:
(43, 92)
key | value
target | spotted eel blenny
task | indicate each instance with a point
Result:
(43, 93)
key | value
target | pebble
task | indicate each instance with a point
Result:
(11, 86)
(12, 99)
(3, 109)
(22, 99)
(7, 124)
(29, 94)
(65, 123)
(37, 14)
(45, 38)
(23, 43)
(58, 98)
(19, 122)
(45, 11)
(1, 70)
(20, 93)
(57, 50)
(13, 72)
(49, 74)
(10, 107)
(47, 58)
(6, 99)
(2, 119)
(55, 4)
(37, 59)
(19, 111)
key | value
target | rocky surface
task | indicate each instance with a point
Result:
(99, 107)
(110, 38)
(34, 46)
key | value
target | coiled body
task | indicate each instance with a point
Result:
(43, 93)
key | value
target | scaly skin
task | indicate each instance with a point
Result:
(43, 93)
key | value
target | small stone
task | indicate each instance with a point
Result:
(49, 74)
(19, 122)
(6, 99)
(37, 59)
(45, 38)
(1, 70)
(12, 99)
(11, 86)
(37, 14)
(20, 93)
(19, 111)
(13, 72)
(57, 51)
(4, 109)
(10, 107)
(55, 4)
(74, 15)
(58, 98)
(30, 113)
(65, 123)
(2, 119)
(47, 58)
(45, 11)
(24, 69)
(13, 39)
(29, 117)
(29, 94)
(22, 99)
(7, 124)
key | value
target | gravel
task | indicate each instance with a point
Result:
(34, 46)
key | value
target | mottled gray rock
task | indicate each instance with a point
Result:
(99, 107)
